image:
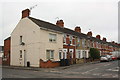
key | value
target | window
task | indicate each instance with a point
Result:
(64, 39)
(88, 43)
(92, 44)
(70, 39)
(78, 39)
(71, 54)
(78, 45)
(84, 54)
(52, 37)
(83, 42)
(20, 39)
(50, 54)
(20, 53)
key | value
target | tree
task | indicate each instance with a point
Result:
(94, 53)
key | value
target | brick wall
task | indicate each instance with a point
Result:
(6, 60)
(48, 64)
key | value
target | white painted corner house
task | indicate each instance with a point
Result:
(34, 39)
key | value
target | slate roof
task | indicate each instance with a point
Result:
(51, 26)
(54, 27)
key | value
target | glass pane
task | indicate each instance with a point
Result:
(52, 54)
(59, 55)
(48, 54)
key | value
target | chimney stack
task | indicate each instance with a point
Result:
(104, 39)
(89, 33)
(25, 13)
(98, 37)
(78, 29)
(60, 23)
(113, 42)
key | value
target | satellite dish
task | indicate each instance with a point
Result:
(33, 7)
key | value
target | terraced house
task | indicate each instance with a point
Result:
(37, 43)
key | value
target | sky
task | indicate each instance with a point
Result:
(98, 16)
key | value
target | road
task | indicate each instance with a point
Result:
(98, 70)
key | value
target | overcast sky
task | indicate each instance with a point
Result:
(98, 16)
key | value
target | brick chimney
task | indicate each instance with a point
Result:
(60, 23)
(25, 13)
(113, 42)
(78, 29)
(98, 36)
(104, 39)
(89, 33)
(119, 44)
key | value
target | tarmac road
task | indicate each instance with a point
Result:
(97, 70)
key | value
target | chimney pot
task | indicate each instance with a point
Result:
(89, 33)
(104, 39)
(98, 37)
(25, 13)
(78, 29)
(60, 23)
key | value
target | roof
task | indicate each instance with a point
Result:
(8, 38)
(51, 26)
(54, 27)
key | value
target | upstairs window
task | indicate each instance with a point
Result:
(70, 39)
(52, 37)
(64, 39)
(88, 43)
(83, 43)
(78, 39)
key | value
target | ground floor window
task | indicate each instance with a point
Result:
(20, 53)
(50, 54)
(79, 54)
(84, 54)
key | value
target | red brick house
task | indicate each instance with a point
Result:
(68, 43)
(6, 57)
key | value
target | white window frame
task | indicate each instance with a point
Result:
(78, 40)
(49, 54)
(83, 42)
(52, 37)
(84, 52)
(21, 54)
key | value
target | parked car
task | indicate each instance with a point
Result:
(113, 57)
(105, 58)
(116, 54)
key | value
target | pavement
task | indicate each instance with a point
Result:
(41, 69)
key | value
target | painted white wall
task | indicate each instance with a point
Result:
(47, 45)
(36, 43)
